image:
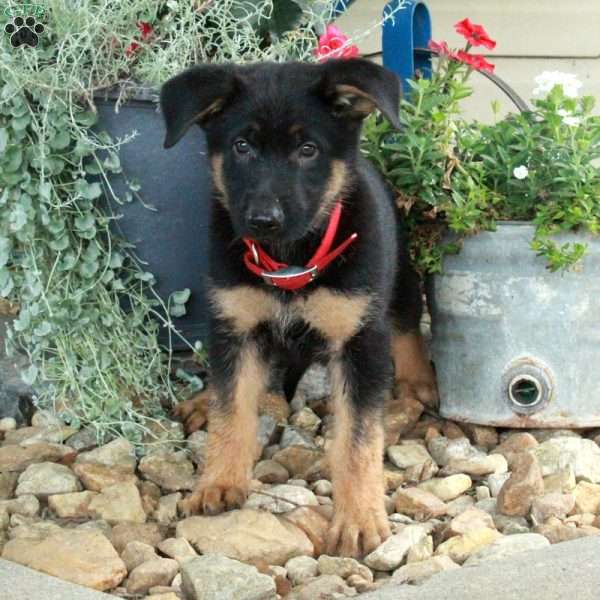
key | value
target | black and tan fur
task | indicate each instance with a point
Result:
(284, 146)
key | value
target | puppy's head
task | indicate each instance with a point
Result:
(282, 138)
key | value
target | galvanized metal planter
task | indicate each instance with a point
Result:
(515, 345)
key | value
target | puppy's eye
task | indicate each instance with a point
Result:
(241, 146)
(308, 150)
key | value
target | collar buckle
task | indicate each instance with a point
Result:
(290, 272)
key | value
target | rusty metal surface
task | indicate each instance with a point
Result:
(499, 316)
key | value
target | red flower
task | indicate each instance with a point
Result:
(475, 61)
(476, 35)
(145, 29)
(441, 49)
(132, 49)
(332, 44)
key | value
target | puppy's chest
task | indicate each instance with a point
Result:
(334, 315)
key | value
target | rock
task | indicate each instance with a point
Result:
(543, 435)
(166, 512)
(172, 471)
(71, 506)
(418, 503)
(215, 577)
(163, 434)
(297, 459)
(301, 568)
(18, 458)
(136, 553)
(391, 553)
(552, 505)
(507, 546)
(459, 505)
(477, 465)
(482, 492)
(84, 439)
(510, 525)
(119, 502)
(460, 547)
(420, 551)
(452, 430)
(196, 444)
(82, 557)
(447, 488)
(119, 453)
(26, 505)
(246, 535)
(270, 471)
(149, 533)
(556, 532)
(313, 522)
(408, 454)
(322, 487)
(422, 472)
(163, 596)
(281, 499)
(97, 525)
(325, 587)
(177, 548)
(561, 482)
(401, 415)
(33, 531)
(7, 424)
(96, 477)
(267, 428)
(416, 573)
(158, 571)
(150, 495)
(444, 450)
(293, 436)
(582, 455)
(393, 479)
(47, 478)
(482, 436)
(516, 443)
(524, 484)
(306, 420)
(495, 482)
(471, 519)
(587, 498)
(344, 567)
(8, 483)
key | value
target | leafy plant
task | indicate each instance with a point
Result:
(88, 314)
(453, 175)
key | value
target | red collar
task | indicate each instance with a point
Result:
(291, 277)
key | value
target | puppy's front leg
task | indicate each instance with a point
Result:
(232, 445)
(360, 378)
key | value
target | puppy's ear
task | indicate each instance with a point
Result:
(193, 97)
(356, 87)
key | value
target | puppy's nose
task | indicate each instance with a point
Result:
(265, 221)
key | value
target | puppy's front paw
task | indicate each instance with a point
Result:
(194, 412)
(357, 532)
(213, 499)
(423, 391)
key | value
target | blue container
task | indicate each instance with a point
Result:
(171, 240)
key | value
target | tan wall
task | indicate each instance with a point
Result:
(532, 35)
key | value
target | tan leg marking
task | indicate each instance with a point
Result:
(337, 316)
(194, 412)
(232, 443)
(245, 306)
(360, 522)
(413, 373)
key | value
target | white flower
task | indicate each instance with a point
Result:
(548, 79)
(571, 121)
(521, 172)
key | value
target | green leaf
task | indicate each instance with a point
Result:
(180, 296)
(3, 139)
(30, 375)
(85, 222)
(61, 140)
(43, 329)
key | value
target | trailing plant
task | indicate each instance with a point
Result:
(88, 314)
(460, 176)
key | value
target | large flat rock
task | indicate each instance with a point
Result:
(566, 570)
(21, 582)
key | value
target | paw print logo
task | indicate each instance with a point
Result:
(24, 32)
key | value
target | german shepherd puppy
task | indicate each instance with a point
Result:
(290, 184)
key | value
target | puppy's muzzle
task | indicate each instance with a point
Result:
(264, 222)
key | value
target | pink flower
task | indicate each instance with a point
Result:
(333, 44)
(441, 49)
(145, 29)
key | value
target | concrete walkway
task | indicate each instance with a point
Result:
(20, 583)
(566, 571)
